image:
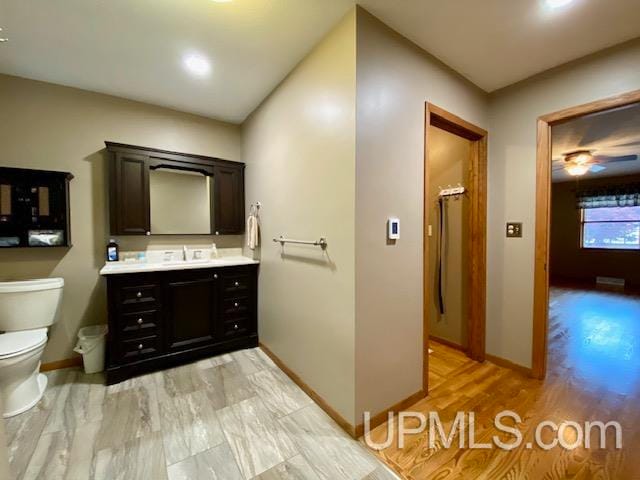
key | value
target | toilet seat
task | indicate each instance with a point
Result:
(13, 344)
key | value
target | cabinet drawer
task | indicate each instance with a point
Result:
(235, 285)
(236, 327)
(140, 348)
(139, 324)
(134, 295)
(235, 306)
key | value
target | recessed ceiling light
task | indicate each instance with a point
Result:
(557, 3)
(197, 64)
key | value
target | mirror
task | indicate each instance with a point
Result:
(180, 202)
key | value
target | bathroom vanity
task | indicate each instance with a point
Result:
(165, 314)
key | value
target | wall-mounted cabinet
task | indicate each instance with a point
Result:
(157, 192)
(34, 208)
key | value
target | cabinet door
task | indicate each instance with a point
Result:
(228, 199)
(130, 195)
(190, 309)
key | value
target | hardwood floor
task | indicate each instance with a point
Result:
(594, 374)
(231, 417)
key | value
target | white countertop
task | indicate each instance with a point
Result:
(113, 268)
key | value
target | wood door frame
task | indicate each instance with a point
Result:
(438, 117)
(543, 217)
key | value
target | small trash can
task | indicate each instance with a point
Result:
(91, 343)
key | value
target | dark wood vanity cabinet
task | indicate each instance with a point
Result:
(161, 319)
(191, 302)
(129, 193)
(229, 199)
(130, 196)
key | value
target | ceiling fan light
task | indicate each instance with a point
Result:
(580, 157)
(577, 169)
(583, 159)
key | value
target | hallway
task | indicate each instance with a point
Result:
(593, 374)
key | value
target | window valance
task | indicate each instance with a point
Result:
(611, 196)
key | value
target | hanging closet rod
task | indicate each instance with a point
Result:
(322, 243)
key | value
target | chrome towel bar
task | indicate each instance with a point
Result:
(322, 243)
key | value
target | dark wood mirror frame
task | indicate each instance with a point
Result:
(129, 200)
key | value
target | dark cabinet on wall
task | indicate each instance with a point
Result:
(229, 200)
(162, 319)
(131, 205)
(129, 192)
(34, 208)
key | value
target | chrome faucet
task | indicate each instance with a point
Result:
(184, 253)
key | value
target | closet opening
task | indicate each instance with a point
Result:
(454, 243)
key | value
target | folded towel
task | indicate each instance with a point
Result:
(252, 232)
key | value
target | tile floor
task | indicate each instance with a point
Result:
(236, 416)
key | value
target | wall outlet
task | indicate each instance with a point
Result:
(514, 230)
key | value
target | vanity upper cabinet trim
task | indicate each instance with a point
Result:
(130, 205)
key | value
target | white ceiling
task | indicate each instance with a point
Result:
(610, 133)
(133, 48)
(495, 43)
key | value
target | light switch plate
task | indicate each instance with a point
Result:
(514, 230)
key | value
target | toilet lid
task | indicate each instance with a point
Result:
(14, 343)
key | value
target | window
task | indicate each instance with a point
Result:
(614, 228)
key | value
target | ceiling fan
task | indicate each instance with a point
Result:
(578, 162)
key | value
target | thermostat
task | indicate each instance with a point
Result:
(393, 228)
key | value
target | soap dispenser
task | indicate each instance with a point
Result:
(113, 251)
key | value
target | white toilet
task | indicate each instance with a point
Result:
(26, 310)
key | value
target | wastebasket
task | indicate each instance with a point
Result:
(91, 342)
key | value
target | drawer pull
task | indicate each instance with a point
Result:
(140, 347)
(140, 321)
(236, 284)
(236, 304)
(139, 294)
(215, 276)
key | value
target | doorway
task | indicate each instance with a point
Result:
(454, 307)
(590, 225)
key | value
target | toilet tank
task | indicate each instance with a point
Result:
(30, 304)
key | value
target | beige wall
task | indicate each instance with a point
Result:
(394, 79)
(449, 164)
(59, 128)
(512, 162)
(568, 260)
(299, 146)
